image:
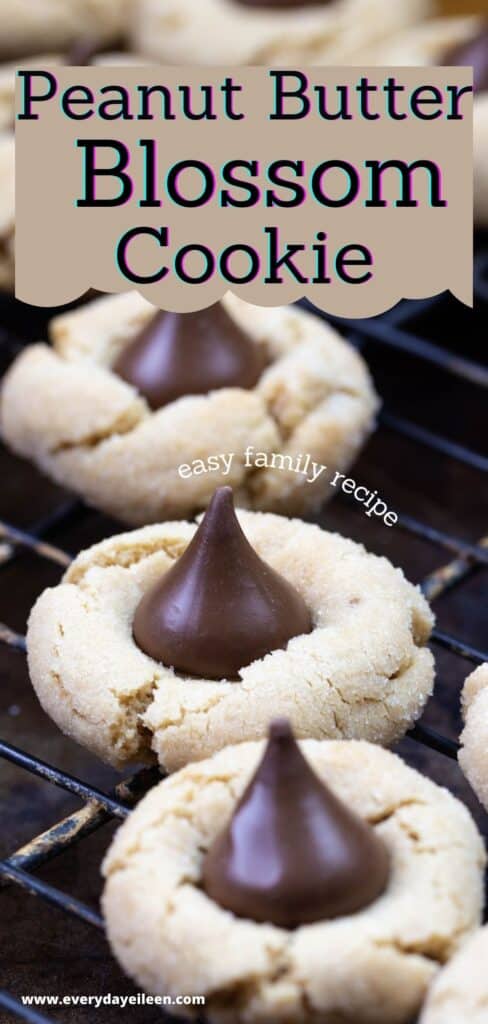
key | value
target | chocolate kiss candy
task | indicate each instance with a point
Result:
(474, 52)
(83, 51)
(86, 47)
(219, 607)
(189, 354)
(293, 853)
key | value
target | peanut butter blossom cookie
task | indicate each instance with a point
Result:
(473, 755)
(174, 641)
(324, 881)
(127, 398)
(459, 993)
(266, 31)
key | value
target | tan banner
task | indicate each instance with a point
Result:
(352, 187)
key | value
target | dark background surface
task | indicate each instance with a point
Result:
(41, 949)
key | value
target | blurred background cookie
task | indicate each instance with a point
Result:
(36, 26)
(238, 32)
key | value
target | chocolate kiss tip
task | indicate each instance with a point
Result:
(222, 501)
(280, 729)
(179, 354)
(219, 607)
(293, 853)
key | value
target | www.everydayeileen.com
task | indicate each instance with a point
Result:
(109, 999)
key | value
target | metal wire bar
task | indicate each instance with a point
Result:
(15, 1006)
(61, 516)
(439, 444)
(12, 639)
(62, 779)
(401, 340)
(430, 738)
(19, 538)
(443, 579)
(481, 277)
(48, 892)
(49, 844)
(82, 822)
(476, 552)
(455, 646)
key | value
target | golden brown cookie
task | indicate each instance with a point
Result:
(363, 672)
(92, 432)
(371, 967)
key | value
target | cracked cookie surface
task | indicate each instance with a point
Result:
(372, 967)
(227, 32)
(92, 432)
(363, 672)
(459, 994)
(473, 755)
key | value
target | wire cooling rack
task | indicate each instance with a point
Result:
(459, 559)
